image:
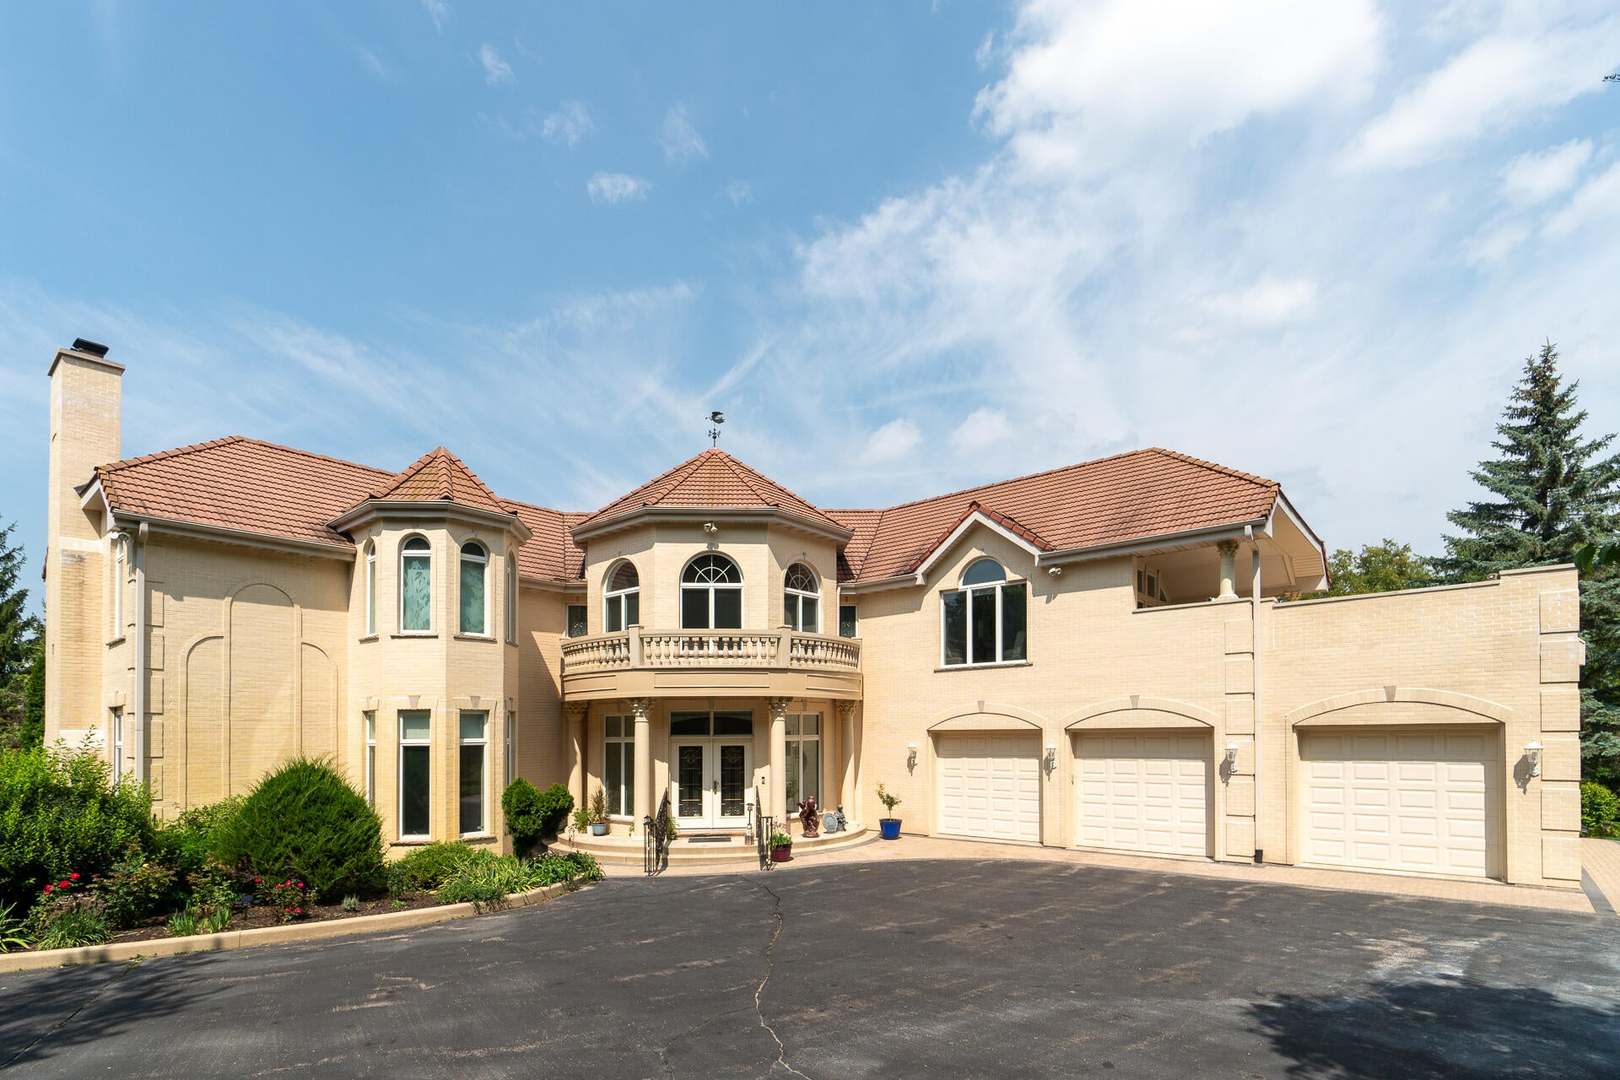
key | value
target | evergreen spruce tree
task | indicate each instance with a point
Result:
(1551, 494)
(19, 641)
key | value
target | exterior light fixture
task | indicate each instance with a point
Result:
(911, 755)
(1532, 750)
(710, 527)
(1051, 757)
(1231, 752)
(1055, 571)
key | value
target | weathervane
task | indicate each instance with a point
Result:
(716, 418)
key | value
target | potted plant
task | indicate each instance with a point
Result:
(581, 821)
(781, 846)
(599, 814)
(889, 827)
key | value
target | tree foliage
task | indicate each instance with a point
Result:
(1382, 567)
(21, 649)
(1552, 494)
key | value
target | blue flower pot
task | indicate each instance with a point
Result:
(889, 828)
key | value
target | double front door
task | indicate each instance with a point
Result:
(708, 781)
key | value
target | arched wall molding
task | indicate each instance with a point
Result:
(1107, 710)
(988, 716)
(1479, 707)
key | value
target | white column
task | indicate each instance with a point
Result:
(641, 708)
(778, 771)
(1228, 550)
(574, 752)
(846, 747)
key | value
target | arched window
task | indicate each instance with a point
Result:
(511, 596)
(986, 620)
(621, 599)
(474, 588)
(371, 587)
(711, 594)
(801, 599)
(416, 586)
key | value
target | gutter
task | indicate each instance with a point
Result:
(138, 696)
(1254, 657)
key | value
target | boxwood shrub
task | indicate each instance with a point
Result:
(533, 815)
(304, 821)
(1600, 810)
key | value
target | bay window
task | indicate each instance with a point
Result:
(371, 757)
(986, 620)
(474, 590)
(472, 769)
(621, 600)
(711, 594)
(371, 587)
(416, 586)
(415, 773)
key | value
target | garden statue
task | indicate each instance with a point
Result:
(807, 816)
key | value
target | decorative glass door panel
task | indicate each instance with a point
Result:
(733, 781)
(709, 783)
(691, 793)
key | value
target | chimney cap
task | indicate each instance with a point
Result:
(94, 348)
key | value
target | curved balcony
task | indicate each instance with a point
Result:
(697, 663)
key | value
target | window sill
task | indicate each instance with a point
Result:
(474, 637)
(413, 841)
(113, 643)
(477, 838)
(367, 637)
(982, 667)
(415, 634)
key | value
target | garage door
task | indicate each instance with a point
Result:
(990, 786)
(1144, 792)
(1400, 801)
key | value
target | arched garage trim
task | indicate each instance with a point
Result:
(988, 716)
(1140, 711)
(1455, 708)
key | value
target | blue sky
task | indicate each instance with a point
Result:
(906, 247)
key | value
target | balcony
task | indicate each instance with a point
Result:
(699, 663)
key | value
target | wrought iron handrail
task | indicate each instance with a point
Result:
(761, 825)
(655, 839)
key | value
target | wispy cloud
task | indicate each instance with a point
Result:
(438, 11)
(892, 441)
(371, 63)
(740, 192)
(1538, 176)
(567, 124)
(679, 138)
(611, 188)
(496, 70)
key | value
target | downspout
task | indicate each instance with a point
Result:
(1259, 745)
(138, 696)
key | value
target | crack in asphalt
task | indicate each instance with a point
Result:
(101, 992)
(778, 922)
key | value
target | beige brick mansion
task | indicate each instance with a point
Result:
(1095, 656)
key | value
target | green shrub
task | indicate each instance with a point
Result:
(304, 821)
(135, 888)
(1600, 810)
(66, 917)
(12, 930)
(59, 815)
(488, 881)
(553, 868)
(427, 867)
(533, 815)
(183, 923)
(187, 843)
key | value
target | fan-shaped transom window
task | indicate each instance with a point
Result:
(474, 588)
(711, 594)
(621, 600)
(986, 620)
(416, 586)
(801, 599)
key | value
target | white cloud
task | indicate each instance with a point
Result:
(372, 63)
(1598, 199)
(1268, 302)
(496, 70)
(739, 192)
(1538, 176)
(1492, 85)
(1496, 242)
(983, 428)
(892, 441)
(610, 188)
(680, 140)
(438, 11)
(570, 123)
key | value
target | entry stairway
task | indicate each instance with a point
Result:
(709, 848)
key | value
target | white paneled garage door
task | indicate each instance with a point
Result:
(990, 785)
(1392, 800)
(1146, 792)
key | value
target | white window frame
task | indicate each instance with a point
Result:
(969, 591)
(418, 554)
(115, 720)
(796, 597)
(482, 742)
(370, 718)
(511, 746)
(711, 588)
(511, 598)
(371, 588)
(481, 559)
(796, 748)
(120, 563)
(626, 746)
(609, 595)
(399, 799)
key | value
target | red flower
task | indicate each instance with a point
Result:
(298, 911)
(74, 876)
(48, 888)
(63, 884)
(300, 884)
(258, 881)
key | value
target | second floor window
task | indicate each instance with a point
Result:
(576, 620)
(474, 591)
(801, 600)
(371, 588)
(416, 586)
(986, 620)
(621, 600)
(711, 594)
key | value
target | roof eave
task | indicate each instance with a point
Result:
(1169, 541)
(588, 529)
(338, 549)
(425, 510)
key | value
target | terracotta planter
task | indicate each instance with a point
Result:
(781, 853)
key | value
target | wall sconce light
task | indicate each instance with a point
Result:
(1231, 753)
(710, 527)
(1051, 757)
(911, 755)
(1532, 750)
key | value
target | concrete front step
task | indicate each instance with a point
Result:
(739, 849)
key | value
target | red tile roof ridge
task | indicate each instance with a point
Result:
(228, 440)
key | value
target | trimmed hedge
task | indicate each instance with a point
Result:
(304, 821)
(533, 815)
(1600, 810)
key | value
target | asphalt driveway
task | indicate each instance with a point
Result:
(946, 969)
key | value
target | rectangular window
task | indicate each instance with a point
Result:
(576, 620)
(473, 793)
(371, 590)
(695, 609)
(116, 722)
(118, 587)
(511, 747)
(955, 616)
(511, 599)
(414, 773)
(416, 599)
(472, 596)
(371, 758)
(986, 625)
(1013, 622)
(728, 609)
(619, 764)
(982, 626)
(803, 772)
(847, 624)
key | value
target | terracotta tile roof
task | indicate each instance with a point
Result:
(1111, 500)
(439, 475)
(712, 480)
(550, 554)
